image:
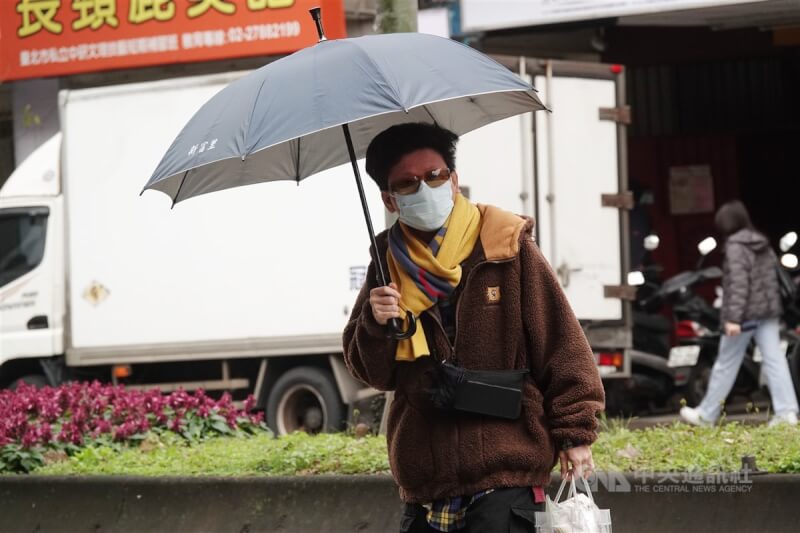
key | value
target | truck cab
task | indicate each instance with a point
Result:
(31, 267)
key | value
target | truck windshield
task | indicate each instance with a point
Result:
(22, 239)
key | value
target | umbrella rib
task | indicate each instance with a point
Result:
(428, 111)
(175, 200)
(297, 162)
(249, 124)
(391, 83)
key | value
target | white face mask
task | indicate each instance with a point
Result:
(427, 209)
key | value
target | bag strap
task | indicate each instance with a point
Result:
(572, 492)
(588, 489)
(560, 490)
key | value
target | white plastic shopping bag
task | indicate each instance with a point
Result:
(577, 514)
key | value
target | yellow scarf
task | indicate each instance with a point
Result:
(425, 272)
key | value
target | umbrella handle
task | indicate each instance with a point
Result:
(396, 328)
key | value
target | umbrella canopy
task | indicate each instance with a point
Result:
(283, 121)
(288, 120)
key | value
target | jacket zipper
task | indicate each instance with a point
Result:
(456, 425)
(458, 304)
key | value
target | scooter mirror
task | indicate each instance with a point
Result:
(707, 245)
(789, 261)
(651, 242)
(788, 240)
(635, 278)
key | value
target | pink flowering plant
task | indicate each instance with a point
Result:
(60, 421)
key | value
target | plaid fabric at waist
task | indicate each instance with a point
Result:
(448, 514)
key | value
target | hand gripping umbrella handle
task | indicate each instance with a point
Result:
(395, 325)
(396, 328)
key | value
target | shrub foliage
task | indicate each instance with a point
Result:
(36, 424)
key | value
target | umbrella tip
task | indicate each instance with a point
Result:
(316, 14)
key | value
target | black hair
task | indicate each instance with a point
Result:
(390, 145)
(732, 217)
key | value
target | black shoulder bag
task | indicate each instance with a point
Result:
(495, 393)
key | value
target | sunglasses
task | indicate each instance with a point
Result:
(434, 178)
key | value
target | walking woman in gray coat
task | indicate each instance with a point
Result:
(751, 298)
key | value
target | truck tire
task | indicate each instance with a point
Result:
(37, 380)
(305, 399)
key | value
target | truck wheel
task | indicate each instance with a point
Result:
(37, 380)
(305, 399)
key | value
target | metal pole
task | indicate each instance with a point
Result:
(525, 160)
(551, 174)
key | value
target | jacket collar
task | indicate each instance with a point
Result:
(501, 232)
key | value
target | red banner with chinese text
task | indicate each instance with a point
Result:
(41, 38)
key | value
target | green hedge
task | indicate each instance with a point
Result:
(680, 448)
(661, 449)
(260, 455)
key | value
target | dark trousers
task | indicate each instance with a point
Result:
(502, 510)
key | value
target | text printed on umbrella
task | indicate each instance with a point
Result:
(202, 147)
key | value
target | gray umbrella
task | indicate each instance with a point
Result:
(288, 119)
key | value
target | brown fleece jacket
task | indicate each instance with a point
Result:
(525, 322)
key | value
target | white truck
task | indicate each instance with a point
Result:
(249, 289)
(568, 169)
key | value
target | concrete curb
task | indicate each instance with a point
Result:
(653, 503)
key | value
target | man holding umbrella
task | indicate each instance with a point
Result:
(498, 380)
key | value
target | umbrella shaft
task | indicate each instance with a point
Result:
(364, 206)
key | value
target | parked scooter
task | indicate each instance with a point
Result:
(789, 262)
(651, 383)
(790, 334)
(655, 383)
(695, 323)
(662, 374)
